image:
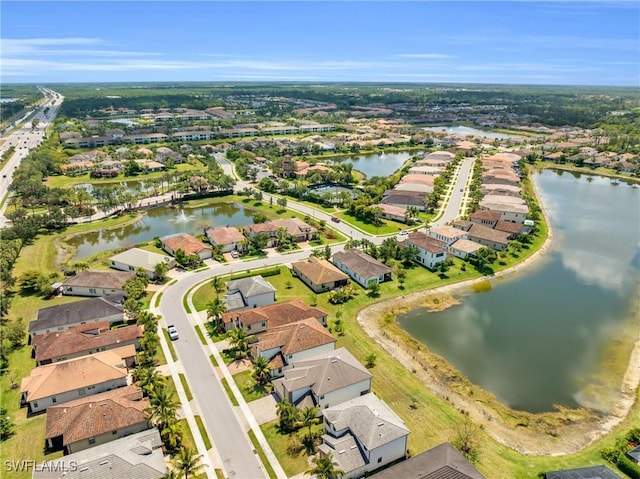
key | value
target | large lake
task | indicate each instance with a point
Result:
(379, 164)
(537, 338)
(161, 222)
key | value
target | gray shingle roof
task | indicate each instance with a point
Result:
(138, 456)
(344, 451)
(250, 286)
(76, 312)
(441, 462)
(328, 372)
(369, 419)
(593, 472)
(361, 263)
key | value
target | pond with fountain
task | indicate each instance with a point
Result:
(160, 222)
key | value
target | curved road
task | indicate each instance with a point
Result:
(224, 427)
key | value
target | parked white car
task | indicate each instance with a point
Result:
(173, 332)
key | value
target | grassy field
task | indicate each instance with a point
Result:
(287, 447)
(185, 386)
(388, 227)
(247, 386)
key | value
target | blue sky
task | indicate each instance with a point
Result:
(566, 43)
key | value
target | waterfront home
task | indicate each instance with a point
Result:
(286, 344)
(362, 435)
(94, 420)
(484, 235)
(63, 316)
(249, 292)
(319, 274)
(442, 461)
(361, 267)
(138, 456)
(138, 259)
(262, 318)
(446, 234)
(503, 190)
(417, 187)
(464, 248)
(485, 217)
(96, 283)
(509, 211)
(187, 243)
(431, 251)
(65, 381)
(325, 380)
(227, 237)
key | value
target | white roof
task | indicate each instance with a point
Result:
(139, 258)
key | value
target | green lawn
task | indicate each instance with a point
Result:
(203, 432)
(226, 387)
(388, 227)
(185, 386)
(263, 457)
(174, 356)
(247, 386)
(287, 447)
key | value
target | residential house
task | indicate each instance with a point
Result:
(94, 420)
(634, 455)
(284, 345)
(187, 243)
(425, 170)
(406, 199)
(513, 229)
(250, 292)
(65, 381)
(138, 456)
(68, 315)
(464, 248)
(514, 212)
(227, 237)
(361, 267)
(489, 237)
(431, 251)
(96, 283)
(81, 341)
(136, 258)
(487, 218)
(592, 472)
(440, 462)
(446, 234)
(319, 274)
(393, 213)
(503, 190)
(325, 380)
(261, 318)
(297, 229)
(362, 435)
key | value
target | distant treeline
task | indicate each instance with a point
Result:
(553, 106)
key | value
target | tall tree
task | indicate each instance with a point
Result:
(325, 468)
(188, 463)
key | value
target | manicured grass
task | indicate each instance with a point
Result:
(387, 226)
(225, 384)
(160, 358)
(288, 447)
(187, 435)
(174, 356)
(219, 474)
(213, 360)
(185, 386)
(200, 335)
(203, 432)
(157, 302)
(247, 386)
(263, 457)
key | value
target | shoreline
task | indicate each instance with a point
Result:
(578, 427)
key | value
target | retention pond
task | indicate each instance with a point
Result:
(548, 335)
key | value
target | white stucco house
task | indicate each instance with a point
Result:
(136, 258)
(362, 435)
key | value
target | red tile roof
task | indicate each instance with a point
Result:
(276, 315)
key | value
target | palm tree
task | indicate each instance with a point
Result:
(148, 379)
(187, 462)
(171, 435)
(288, 415)
(215, 310)
(261, 371)
(239, 340)
(308, 416)
(325, 468)
(163, 407)
(217, 285)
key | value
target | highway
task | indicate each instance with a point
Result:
(24, 139)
